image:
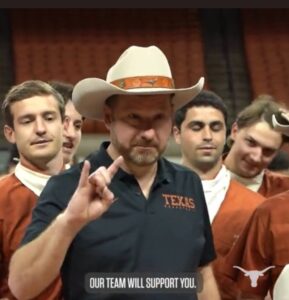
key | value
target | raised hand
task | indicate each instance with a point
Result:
(92, 197)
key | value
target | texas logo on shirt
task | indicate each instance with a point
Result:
(177, 201)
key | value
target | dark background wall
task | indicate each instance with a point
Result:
(241, 53)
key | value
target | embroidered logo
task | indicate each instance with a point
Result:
(179, 202)
(254, 274)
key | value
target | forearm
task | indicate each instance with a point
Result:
(34, 266)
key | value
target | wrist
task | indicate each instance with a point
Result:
(69, 225)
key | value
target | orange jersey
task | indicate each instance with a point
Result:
(263, 243)
(273, 183)
(231, 219)
(16, 205)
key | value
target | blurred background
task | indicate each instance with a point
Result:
(241, 52)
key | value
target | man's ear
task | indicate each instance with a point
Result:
(234, 131)
(177, 134)
(107, 113)
(9, 134)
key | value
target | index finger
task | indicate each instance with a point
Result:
(113, 168)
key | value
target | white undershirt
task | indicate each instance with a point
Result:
(215, 191)
(34, 181)
(253, 183)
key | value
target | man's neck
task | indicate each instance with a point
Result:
(51, 167)
(229, 162)
(145, 175)
(205, 172)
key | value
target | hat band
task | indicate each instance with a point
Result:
(144, 82)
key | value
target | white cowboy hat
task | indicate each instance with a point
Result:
(280, 122)
(138, 71)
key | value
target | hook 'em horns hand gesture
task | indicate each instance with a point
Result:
(92, 196)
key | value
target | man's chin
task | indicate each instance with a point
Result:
(67, 156)
(67, 151)
(144, 160)
(250, 174)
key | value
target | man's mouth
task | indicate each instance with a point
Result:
(40, 141)
(68, 145)
(207, 147)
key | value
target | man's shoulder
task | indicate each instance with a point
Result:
(273, 183)
(65, 178)
(273, 176)
(242, 191)
(274, 209)
(176, 169)
(14, 193)
(280, 200)
(66, 181)
(9, 183)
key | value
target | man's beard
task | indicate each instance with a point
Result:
(139, 157)
(143, 158)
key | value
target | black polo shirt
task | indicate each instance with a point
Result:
(168, 232)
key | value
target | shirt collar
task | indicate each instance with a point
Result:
(34, 181)
(252, 183)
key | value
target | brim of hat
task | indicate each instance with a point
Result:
(284, 129)
(89, 95)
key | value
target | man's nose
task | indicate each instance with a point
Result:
(69, 130)
(207, 134)
(40, 126)
(256, 155)
(148, 133)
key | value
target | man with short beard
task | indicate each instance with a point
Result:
(136, 212)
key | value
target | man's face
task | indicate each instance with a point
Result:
(140, 127)
(202, 137)
(72, 132)
(254, 148)
(37, 129)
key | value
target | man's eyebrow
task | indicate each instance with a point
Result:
(25, 116)
(29, 115)
(199, 122)
(196, 122)
(47, 112)
(259, 144)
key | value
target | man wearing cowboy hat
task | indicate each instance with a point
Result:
(136, 212)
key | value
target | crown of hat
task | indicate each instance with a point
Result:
(140, 61)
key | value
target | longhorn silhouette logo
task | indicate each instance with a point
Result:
(254, 274)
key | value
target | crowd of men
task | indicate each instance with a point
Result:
(126, 208)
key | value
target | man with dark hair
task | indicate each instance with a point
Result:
(254, 143)
(137, 212)
(33, 113)
(73, 122)
(200, 130)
